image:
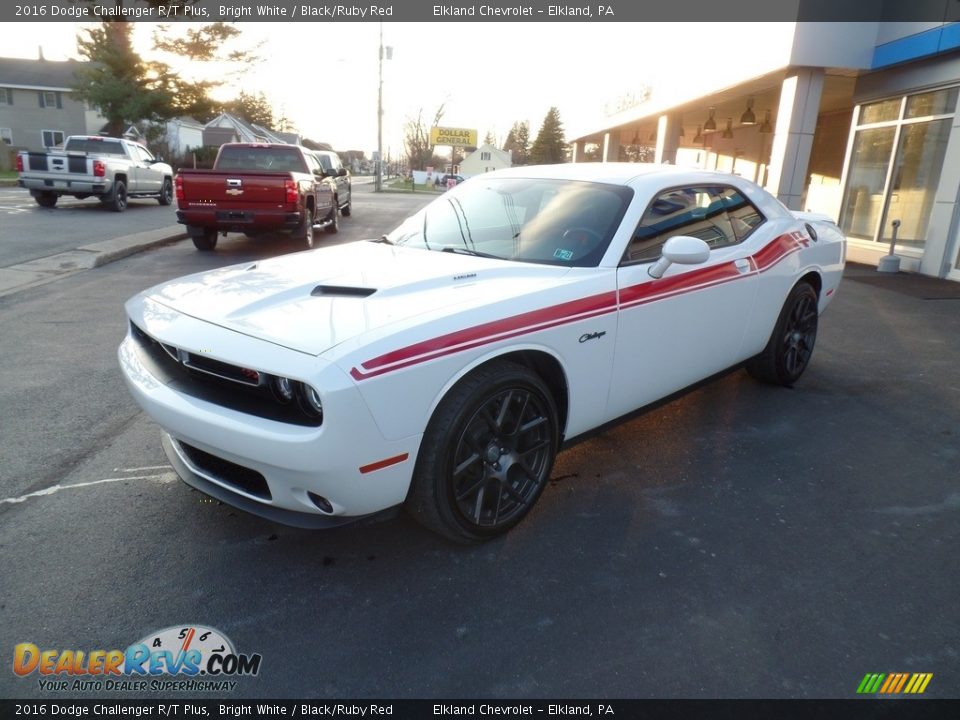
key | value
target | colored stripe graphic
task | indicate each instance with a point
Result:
(894, 683)
(582, 309)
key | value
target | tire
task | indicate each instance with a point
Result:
(306, 228)
(486, 455)
(46, 199)
(347, 209)
(790, 347)
(118, 198)
(334, 218)
(166, 192)
(207, 241)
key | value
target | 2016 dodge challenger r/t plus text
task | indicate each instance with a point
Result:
(442, 366)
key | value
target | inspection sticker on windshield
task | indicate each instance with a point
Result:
(562, 254)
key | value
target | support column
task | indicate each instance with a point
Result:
(793, 138)
(576, 151)
(668, 139)
(611, 147)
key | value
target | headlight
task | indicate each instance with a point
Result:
(283, 389)
(310, 401)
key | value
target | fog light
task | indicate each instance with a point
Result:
(321, 502)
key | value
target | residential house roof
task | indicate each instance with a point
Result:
(38, 74)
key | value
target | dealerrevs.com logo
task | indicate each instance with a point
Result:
(185, 658)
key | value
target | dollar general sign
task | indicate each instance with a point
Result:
(453, 136)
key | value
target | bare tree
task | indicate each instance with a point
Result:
(416, 138)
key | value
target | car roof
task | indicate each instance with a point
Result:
(617, 173)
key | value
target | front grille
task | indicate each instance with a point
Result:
(238, 476)
(217, 382)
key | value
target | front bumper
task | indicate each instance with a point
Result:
(340, 462)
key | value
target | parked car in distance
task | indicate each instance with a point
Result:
(332, 167)
(446, 180)
(110, 169)
(256, 189)
(443, 366)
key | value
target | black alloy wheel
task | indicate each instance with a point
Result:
(306, 231)
(487, 454)
(46, 199)
(334, 218)
(166, 192)
(791, 345)
(118, 200)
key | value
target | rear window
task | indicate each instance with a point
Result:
(270, 158)
(95, 145)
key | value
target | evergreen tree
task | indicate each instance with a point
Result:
(518, 143)
(118, 82)
(549, 147)
(489, 139)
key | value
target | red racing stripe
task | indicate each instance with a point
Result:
(642, 293)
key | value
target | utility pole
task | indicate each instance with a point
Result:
(378, 166)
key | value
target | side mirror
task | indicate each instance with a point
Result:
(342, 172)
(681, 249)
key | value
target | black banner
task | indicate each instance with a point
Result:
(618, 709)
(474, 11)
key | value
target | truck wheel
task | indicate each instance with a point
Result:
(207, 241)
(118, 200)
(46, 199)
(334, 218)
(306, 229)
(347, 209)
(166, 192)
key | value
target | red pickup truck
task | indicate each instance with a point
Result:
(257, 188)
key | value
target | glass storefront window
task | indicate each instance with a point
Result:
(882, 111)
(916, 173)
(863, 197)
(941, 102)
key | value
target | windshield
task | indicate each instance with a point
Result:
(557, 222)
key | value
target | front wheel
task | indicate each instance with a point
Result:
(334, 218)
(486, 455)
(790, 347)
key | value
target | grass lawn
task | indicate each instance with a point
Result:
(8, 174)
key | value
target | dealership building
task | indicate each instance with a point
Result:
(859, 121)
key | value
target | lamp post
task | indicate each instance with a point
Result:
(378, 166)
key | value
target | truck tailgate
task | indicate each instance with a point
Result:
(240, 189)
(56, 163)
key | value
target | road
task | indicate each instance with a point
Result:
(741, 541)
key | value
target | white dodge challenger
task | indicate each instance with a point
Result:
(443, 366)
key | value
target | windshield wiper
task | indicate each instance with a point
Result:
(468, 251)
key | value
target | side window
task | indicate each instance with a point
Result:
(720, 216)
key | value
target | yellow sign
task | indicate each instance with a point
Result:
(459, 137)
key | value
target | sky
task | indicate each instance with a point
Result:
(324, 76)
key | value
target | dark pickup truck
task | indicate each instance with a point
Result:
(257, 188)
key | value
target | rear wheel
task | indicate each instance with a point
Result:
(306, 229)
(486, 455)
(46, 199)
(118, 199)
(207, 241)
(790, 347)
(166, 192)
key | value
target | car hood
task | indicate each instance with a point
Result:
(315, 300)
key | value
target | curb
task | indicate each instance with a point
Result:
(41, 271)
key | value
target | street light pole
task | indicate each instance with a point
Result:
(378, 166)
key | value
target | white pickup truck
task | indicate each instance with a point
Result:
(111, 169)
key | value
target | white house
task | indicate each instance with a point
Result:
(485, 158)
(183, 135)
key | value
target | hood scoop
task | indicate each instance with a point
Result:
(342, 291)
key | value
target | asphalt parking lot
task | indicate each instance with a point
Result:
(741, 541)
